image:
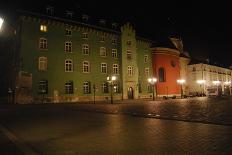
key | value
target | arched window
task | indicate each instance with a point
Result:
(86, 67)
(68, 65)
(43, 43)
(43, 63)
(161, 75)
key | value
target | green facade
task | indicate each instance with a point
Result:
(55, 74)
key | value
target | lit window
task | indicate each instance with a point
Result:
(145, 58)
(68, 65)
(42, 63)
(115, 69)
(102, 38)
(68, 32)
(128, 55)
(102, 51)
(85, 49)
(116, 88)
(114, 53)
(86, 87)
(43, 28)
(86, 67)
(84, 35)
(103, 68)
(161, 75)
(114, 41)
(68, 46)
(69, 87)
(43, 44)
(105, 88)
(147, 72)
(43, 87)
(130, 70)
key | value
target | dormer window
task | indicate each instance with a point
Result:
(102, 22)
(114, 25)
(85, 18)
(69, 14)
(50, 10)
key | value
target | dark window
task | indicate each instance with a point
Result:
(69, 87)
(161, 75)
(105, 88)
(43, 87)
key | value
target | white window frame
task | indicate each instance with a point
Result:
(68, 65)
(43, 44)
(115, 69)
(84, 35)
(86, 87)
(43, 63)
(68, 47)
(103, 68)
(114, 53)
(103, 52)
(130, 71)
(85, 49)
(86, 67)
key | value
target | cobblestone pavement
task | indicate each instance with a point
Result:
(68, 130)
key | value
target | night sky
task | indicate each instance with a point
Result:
(205, 28)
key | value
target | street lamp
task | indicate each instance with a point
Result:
(152, 81)
(181, 82)
(201, 82)
(1, 22)
(110, 80)
(216, 83)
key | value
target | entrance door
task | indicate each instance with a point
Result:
(130, 93)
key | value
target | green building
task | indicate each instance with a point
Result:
(63, 60)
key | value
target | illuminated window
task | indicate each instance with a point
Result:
(68, 32)
(69, 87)
(86, 87)
(130, 70)
(128, 55)
(102, 51)
(103, 68)
(115, 69)
(85, 49)
(43, 28)
(147, 72)
(43, 87)
(68, 46)
(42, 63)
(145, 58)
(86, 67)
(43, 44)
(114, 53)
(161, 75)
(105, 88)
(68, 65)
(84, 35)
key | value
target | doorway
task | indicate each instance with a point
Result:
(130, 93)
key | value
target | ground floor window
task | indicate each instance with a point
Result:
(69, 87)
(86, 87)
(43, 86)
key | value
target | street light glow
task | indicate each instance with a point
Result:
(200, 81)
(113, 78)
(181, 81)
(152, 80)
(227, 82)
(1, 22)
(216, 82)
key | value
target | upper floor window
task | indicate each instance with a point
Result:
(85, 49)
(103, 68)
(69, 87)
(43, 87)
(68, 65)
(86, 87)
(69, 14)
(86, 67)
(128, 42)
(102, 38)
(68, 32)
(42, 63)
(130, 70)
(161, 75)
(147, 72)
(114, 53)
(128, 55)
(43, 28)
(102, 51)
(68, 46)
(115, 69)
(84, 35)
(145, 58)
(105, 88)
(43, 44)
(114, 41)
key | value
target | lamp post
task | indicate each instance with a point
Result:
(181, 82)
(110, 80)
(216, 83)
(201, 82)
(152, 81)
(1, 23)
